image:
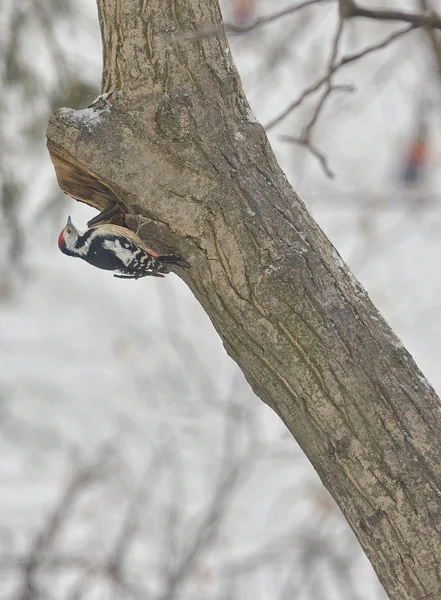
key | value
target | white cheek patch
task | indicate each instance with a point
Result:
(70, 240)
(125, 255)
(82, 250)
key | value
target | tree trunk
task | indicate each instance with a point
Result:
(174, 150)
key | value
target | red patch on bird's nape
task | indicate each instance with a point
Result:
(61, 242)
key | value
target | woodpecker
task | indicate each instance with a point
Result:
(115, 248)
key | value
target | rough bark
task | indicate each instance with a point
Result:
(174, 149)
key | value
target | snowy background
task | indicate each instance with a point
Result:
(135, 462)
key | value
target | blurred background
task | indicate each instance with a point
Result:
(136, 463)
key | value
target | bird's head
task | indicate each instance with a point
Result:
(68, 238)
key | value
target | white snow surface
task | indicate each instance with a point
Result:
(90, 117)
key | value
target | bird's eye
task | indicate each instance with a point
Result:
(68, 230)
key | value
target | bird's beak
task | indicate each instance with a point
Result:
(69, 222)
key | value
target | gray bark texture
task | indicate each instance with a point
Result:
(173, 150)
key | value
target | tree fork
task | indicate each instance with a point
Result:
(172, 149)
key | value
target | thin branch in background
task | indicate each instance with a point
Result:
(231, 475)
(261, 21)
(344, 61)
(239, 29)
(306, 138)
(238, 453)
(79, 590)
(320, 105)
(432, 35)
(21, 84)
(300, 141)
(329, 88)
(116, 562)
(37, 554)
(349, 9)
(379, 46)
(267, 554)
(174, 514)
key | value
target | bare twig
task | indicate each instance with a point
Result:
(433, 36)
(301, 141)
(357, 55)
(39, 549)
(306, 137)
(428, 19)
(174, 516)
(239, 29)
(232, 472)
(334, 52)
(261, 21)
(148, 484)
(344, 61)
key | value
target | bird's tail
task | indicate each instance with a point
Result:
(173, 259)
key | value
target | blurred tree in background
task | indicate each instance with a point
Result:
(41, 66)
(93, 466)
